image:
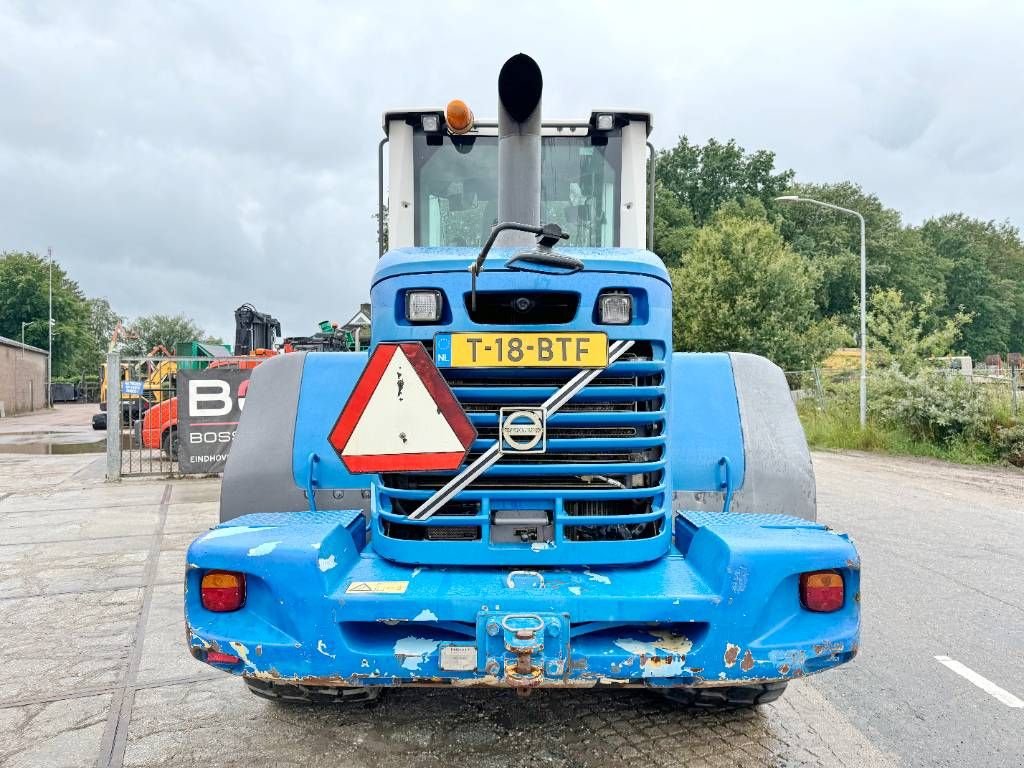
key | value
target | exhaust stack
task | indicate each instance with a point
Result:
(519, 123)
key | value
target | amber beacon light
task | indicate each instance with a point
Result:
(458, 116)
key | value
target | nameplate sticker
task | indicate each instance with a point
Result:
(458, 658)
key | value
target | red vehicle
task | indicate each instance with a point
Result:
(159, 428)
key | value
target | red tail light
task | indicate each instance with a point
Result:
(223, 591)
(822, 591)
(216, 657)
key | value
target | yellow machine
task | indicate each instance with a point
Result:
(157, 374)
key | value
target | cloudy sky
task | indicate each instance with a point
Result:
(188, 157)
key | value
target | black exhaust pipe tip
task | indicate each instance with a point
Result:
(519, 86)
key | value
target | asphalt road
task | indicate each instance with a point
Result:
(942, 550)
(96, 673)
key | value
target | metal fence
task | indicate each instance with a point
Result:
(815, 383)
(142, 416)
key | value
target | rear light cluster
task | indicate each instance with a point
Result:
(216, 657)
(222, 591)
(822, 591)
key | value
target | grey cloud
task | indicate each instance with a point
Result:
(189, 156)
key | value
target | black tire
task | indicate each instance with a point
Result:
(132, 413)
(169, 444)
(726, 697)
(317, 695)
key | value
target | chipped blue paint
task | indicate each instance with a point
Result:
(321, 647)
(308, 627)
(263, 549)
(707, 599)
(413, 651)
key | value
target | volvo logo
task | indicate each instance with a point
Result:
(523, 430)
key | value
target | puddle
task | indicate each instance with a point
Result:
(54, 448)
(56, 443)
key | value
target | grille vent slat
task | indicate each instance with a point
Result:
(611, 461)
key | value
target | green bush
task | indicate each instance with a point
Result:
(930, 413)
(931, 405)
(1008, 440)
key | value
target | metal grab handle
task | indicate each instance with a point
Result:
(311, 482)
(726, 485)
(510, 580)
(538, 628)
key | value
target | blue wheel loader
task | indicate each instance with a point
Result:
(520, 484)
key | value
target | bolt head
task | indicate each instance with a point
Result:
(493, 628)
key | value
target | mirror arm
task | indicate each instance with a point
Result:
(496, 230)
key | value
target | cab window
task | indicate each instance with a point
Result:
(456, 187)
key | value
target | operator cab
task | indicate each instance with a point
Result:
(442, 184)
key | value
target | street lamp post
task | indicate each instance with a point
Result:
(49, 353)
(863, 296)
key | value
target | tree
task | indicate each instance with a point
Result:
(984, 264)
(24, 297)
(897, 256)
(674, 229)
(905, 335)
(702, 179)
(101, 321)
(382, 233)
(157, 330)
(741, 288)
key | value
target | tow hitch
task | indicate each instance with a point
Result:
(524, 648)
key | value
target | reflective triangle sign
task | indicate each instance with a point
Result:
(401, 416)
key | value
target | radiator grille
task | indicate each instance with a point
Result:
(602, 477)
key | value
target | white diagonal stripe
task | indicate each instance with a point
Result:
(490, 457)
(984, 683)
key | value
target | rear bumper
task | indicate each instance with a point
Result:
(721, 609)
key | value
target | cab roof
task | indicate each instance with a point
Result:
(412, 116)
(424, 260)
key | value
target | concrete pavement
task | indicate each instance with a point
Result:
(96, 671)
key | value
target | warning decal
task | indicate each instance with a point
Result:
(379, 587)
(401, 416)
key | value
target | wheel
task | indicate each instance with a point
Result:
(131, 413)
(99, 420)
(726, 697)
(293, 693)
(169, 444)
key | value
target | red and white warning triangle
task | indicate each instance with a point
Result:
(401, 416)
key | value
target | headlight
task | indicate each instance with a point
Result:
(616, 309)
(423, 306)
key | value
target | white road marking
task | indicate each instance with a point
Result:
(984, 683)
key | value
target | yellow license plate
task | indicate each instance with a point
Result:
(522, 350)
